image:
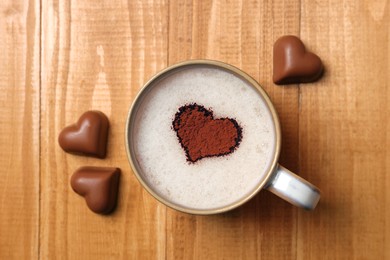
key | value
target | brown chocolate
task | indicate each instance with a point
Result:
(293, 64)
(200, 135)
(88, 136)
(99, 186)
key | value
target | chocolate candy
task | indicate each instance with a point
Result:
(293, 64)
(99, 186)
(88, 136)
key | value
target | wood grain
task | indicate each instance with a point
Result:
(237, 33)
(19, 128)
(344, 137)
(98, 54)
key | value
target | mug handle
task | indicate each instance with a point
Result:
(293, 189)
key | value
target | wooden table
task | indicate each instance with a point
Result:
(61, 58)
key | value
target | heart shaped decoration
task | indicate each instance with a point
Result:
(88, 136)
(293, 64)
(200, 135)
(99, 186)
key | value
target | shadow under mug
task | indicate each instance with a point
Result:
(278, 179)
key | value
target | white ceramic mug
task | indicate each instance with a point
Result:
(278, 179)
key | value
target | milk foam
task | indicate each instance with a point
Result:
(210, 182)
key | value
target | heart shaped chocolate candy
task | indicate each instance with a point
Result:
(293, 64)
(88, 136)
(99, 186)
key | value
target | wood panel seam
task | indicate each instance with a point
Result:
(39, 129)
(167, 64)
(298, 137)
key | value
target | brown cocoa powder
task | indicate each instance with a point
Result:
(200, 135)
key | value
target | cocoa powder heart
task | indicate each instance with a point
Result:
(88, 136)
(98, 186)
(293, 64)
(200, 135)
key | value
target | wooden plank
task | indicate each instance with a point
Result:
(19, 128)
(242, 34)
(97, 55)
(344, 131)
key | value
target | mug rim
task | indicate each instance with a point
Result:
(238, 72)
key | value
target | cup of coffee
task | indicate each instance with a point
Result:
(203, 137)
